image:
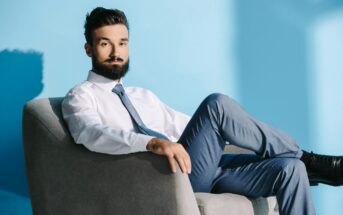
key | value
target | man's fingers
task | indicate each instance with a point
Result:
(172, 164)
(186, 160)
(188, 164)
(184, 163)
(173, 151)
(181, 163)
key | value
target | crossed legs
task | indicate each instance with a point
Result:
(276, 170)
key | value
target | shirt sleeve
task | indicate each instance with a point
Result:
(175, 121)
(80, 113)
(178, 122)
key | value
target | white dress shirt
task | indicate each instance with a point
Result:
(97, 118)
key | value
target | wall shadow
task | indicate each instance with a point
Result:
(21, 74)
(273, 61)
(275, 69)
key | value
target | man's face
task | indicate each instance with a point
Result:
(110, 51)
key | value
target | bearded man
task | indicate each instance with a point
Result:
(108, 118)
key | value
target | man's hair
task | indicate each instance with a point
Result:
(100, 17)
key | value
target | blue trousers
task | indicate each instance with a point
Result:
(275, 170)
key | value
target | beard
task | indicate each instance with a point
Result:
(113, 72)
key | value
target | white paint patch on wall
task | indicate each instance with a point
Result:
(327, 100)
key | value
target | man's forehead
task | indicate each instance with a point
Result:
(117, 31)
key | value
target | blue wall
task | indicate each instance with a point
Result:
(275, 58)
(289, 70)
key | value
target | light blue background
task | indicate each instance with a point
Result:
(282, 60)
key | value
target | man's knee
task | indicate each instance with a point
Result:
(293, 169)
(221, 104)
(217, 99)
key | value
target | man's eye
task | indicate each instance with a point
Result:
(103, 44)
(123, 44)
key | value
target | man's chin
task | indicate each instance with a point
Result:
(111, 71)
(113, 67)
(120, 64)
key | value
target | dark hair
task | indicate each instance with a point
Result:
(100, 17)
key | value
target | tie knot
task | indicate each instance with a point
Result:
(119, 90)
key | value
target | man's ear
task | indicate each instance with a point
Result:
(88, 49)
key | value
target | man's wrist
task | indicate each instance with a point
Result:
(149, 145)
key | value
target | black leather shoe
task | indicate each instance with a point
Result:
(323, 168)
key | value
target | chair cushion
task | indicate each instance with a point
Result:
(233, 204)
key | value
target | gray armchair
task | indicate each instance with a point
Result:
(66, 178)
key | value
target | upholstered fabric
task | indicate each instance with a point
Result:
(65, 178)
(231, 204)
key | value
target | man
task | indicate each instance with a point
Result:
(107, 118)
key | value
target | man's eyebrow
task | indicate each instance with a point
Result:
(107, 39)
(103, 38)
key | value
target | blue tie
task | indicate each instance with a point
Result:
(119, 90)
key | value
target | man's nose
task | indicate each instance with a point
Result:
(113, 50)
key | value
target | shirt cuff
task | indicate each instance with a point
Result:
(140, 143)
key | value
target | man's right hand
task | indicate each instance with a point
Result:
(172, 151)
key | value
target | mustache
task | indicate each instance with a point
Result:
(114, 58)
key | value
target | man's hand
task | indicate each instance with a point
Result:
(172, 151)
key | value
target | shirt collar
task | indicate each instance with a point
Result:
(103, 82)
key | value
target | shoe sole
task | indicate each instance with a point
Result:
(316, 183)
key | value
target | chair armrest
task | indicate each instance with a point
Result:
(66, 178)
